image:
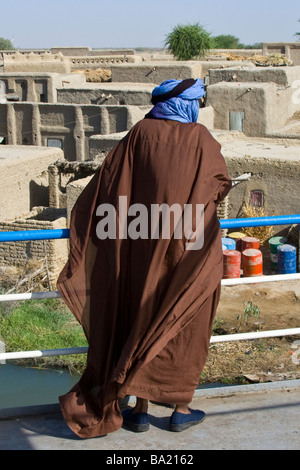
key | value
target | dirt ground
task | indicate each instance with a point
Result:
(259, 360)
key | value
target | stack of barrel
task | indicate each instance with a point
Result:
(242, 254)
(283, 256)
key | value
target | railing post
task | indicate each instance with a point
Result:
(2, 350)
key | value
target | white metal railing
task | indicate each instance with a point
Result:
(225, 223)
(214, 339)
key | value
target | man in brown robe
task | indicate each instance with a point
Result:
(146, 300)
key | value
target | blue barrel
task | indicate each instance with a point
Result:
(274, 243)
(286, 259)
(228, 243)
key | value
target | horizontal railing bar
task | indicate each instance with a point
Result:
(25, 235)
(224, 223)
(30, 296)
(260, 221)
(224, 282)
(255, 335)
(213, 340)
(42, 353)
(259, 279)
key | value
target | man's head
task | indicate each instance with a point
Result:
(177, 100)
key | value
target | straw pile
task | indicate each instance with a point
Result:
(274, 60)
(262, 233)
(33, 276)
(96, 76)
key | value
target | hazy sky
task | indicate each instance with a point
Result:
(138, 23)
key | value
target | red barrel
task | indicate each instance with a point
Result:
(252, 262)
(250, 242)
(232, 264)
(237, 237)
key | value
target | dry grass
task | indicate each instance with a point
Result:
(295, 117)
(260, 60)
(262, 233)
(263, 360)
(272, 59)
(96, 76)
(31, 277)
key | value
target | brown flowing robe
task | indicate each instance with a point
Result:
(146, 305)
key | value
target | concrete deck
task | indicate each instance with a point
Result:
(252, 417)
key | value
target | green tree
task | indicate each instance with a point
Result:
(298, 34)
(189, 41)
(256, 45)
(6, 45)
(226, 41)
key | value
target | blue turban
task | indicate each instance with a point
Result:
(177, 100)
